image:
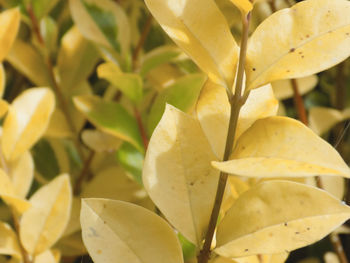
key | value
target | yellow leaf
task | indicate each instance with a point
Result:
(9, 21)
(116, 231)
(289, 44)
(213, 112)
(44, 223)
(278, 216)
(177, 173)
(100, 141)
(323, 119)
(196, 26)
(8, 194)
(21, 172)
(27, 120)
(72, 245)
(283, 89)
(331, 257)
(45, 257)
(27, 60)
(58, 126)
(244, 5)
(73, 225)
(8, 241)
(2, 80)
(3, 107)
(281, 146)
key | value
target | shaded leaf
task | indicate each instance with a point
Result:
(110, 117)
(100, 141)
(115, 231)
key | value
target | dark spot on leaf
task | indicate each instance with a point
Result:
(285, 224)
(292, 50)
(99, 251)
(297, 233)
(302, 56)
(254, 69)
(246, 250)
(287, 70)
(307, 35)
(308, 228)
(191, 183)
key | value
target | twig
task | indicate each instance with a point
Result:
(141, 128)
(236, 104)
(83, 174)
(299, 103)
(142, 40)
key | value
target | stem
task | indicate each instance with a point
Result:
(272, 5)
(84, 173)
(338, 247)
(236, 104)
(299, 103)
(141, 128)
(142, 40)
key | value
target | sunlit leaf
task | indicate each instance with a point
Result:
(110, 117)
(45, 257)
(258, 222)
(26, 121)
(9, 21)
(100, 141)
(43, 224)
(289, 44)
(115, 231)
(8, 241)
(244, 5)
(177, 173)
(197, 26)
(281, 146)
(213, 111)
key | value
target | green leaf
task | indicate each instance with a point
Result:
(182, 94)
(43, 7)
(131, 160)
(158, 57)
(111, 118)
(130, 84)
(103, 22)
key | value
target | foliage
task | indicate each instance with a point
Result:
(119, 144)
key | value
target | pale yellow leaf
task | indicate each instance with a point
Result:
(27, 120)
(281, 146)
(73, 225)
(9, 21)
(27, 60)
(45, 257)
(163, 76)
(177, 173)
(335, 185)
(283, 89)
(331, 257)
(3, 107)
(278, 216)
(8, 241)
(244, 5)
(21, 172)
(58, 126)
(289, 44)
(8, 194)
(100, 141)
(213, 112)
(2, 80)
(116, 231)
(113, 183)
(322, 119)
(200, 29)
(44, 223)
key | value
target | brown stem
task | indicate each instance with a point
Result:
(299, 103)
(83, 174)
(142, 40)
(272, 5)
(338, 247)
(35, 24)
(236, 104)
(141, 128)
